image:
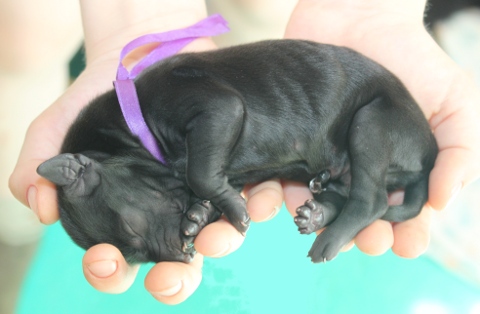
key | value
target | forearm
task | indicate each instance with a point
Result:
(110, 24)
(34, 37)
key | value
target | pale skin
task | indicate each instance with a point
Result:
(389, 31)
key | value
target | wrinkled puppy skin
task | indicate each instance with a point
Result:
(296, 110)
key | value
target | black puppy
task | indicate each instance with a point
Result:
(297, 110)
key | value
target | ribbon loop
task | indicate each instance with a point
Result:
(169, 43)
(211, 26)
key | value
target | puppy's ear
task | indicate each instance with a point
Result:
(76, 173)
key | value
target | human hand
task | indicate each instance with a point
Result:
(391, 32)
(103, 265)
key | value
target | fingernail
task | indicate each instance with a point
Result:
(222, 252)
(169, 291)
(275, 211)
(32, 199)
(455, 191)
(103, 269)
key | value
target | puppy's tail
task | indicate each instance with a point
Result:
(416, 195)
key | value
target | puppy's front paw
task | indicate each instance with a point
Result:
(310, 217)
(234, 208)
(196, 218)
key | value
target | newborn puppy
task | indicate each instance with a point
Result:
(323, 115)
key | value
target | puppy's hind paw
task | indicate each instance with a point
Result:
(325, 248)
(310, 217)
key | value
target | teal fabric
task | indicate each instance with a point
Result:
(268, 274)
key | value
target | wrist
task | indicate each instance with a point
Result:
(112, 24)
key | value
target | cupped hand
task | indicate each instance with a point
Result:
(104, 266)
(392, 33)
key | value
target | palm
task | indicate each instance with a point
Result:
(447, 96)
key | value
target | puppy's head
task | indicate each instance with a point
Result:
(135, 205)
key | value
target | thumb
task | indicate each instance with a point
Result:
(457, 132)
(27, 186)
(453, 170)
(34, 191)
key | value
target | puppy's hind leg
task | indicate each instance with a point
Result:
(416, 195)
(320, 212)
(370, 149)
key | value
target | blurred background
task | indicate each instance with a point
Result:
(40, 270)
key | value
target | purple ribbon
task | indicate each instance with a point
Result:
(170, 43)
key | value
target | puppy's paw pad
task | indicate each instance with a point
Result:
(309, 217)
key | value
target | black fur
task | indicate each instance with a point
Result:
(276, 109)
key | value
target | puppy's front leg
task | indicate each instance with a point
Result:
(200, 214)
(211, 135)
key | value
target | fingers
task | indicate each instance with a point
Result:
(348, 246)
(106, 270)
(413, 236)
(169, 282)
(408, 239)
(376, 239)
(264, 200)
(295, 194)
(263, 203)
(218, 239)
(173, 282)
